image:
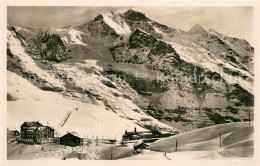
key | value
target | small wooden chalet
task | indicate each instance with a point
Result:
(35, 132)
(72, 139)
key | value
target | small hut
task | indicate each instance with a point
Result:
(138, 146)
(72, 139)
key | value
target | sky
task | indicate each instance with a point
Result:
(231, 21)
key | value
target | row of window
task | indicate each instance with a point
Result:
(31, 135)
(69, 138)
(69, 141)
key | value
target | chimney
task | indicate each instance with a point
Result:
(135, 129)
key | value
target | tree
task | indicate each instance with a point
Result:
(155, 129)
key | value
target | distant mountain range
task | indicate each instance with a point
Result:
(124, 70)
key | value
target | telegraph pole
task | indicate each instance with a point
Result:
(111, 153)
(97, 141)
(176, 146)
(249, 118)
(219, 139)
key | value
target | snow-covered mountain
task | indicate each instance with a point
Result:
(124, 70)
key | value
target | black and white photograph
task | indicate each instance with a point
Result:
(130, 82)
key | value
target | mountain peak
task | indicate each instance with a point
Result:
(198, 29)
(67, 27)
(132, 11)
(115, 21)
(111, 14)
(135, 15)
(98, 17)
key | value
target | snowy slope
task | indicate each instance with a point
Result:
(69, 36)
(199, 57)
(94, 117)
(51, 107)
(204, 144)
(117, 23)
(27, 63)
(236, 138)
(114, 98)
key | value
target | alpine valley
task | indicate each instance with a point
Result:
(123, 70)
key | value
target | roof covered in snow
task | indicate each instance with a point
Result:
(74, 134)
(31, 124)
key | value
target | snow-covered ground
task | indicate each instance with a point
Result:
(201, 144)
(204, 144)
(33, 104)
(236, 141)
(55, 151)
(89, 119)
